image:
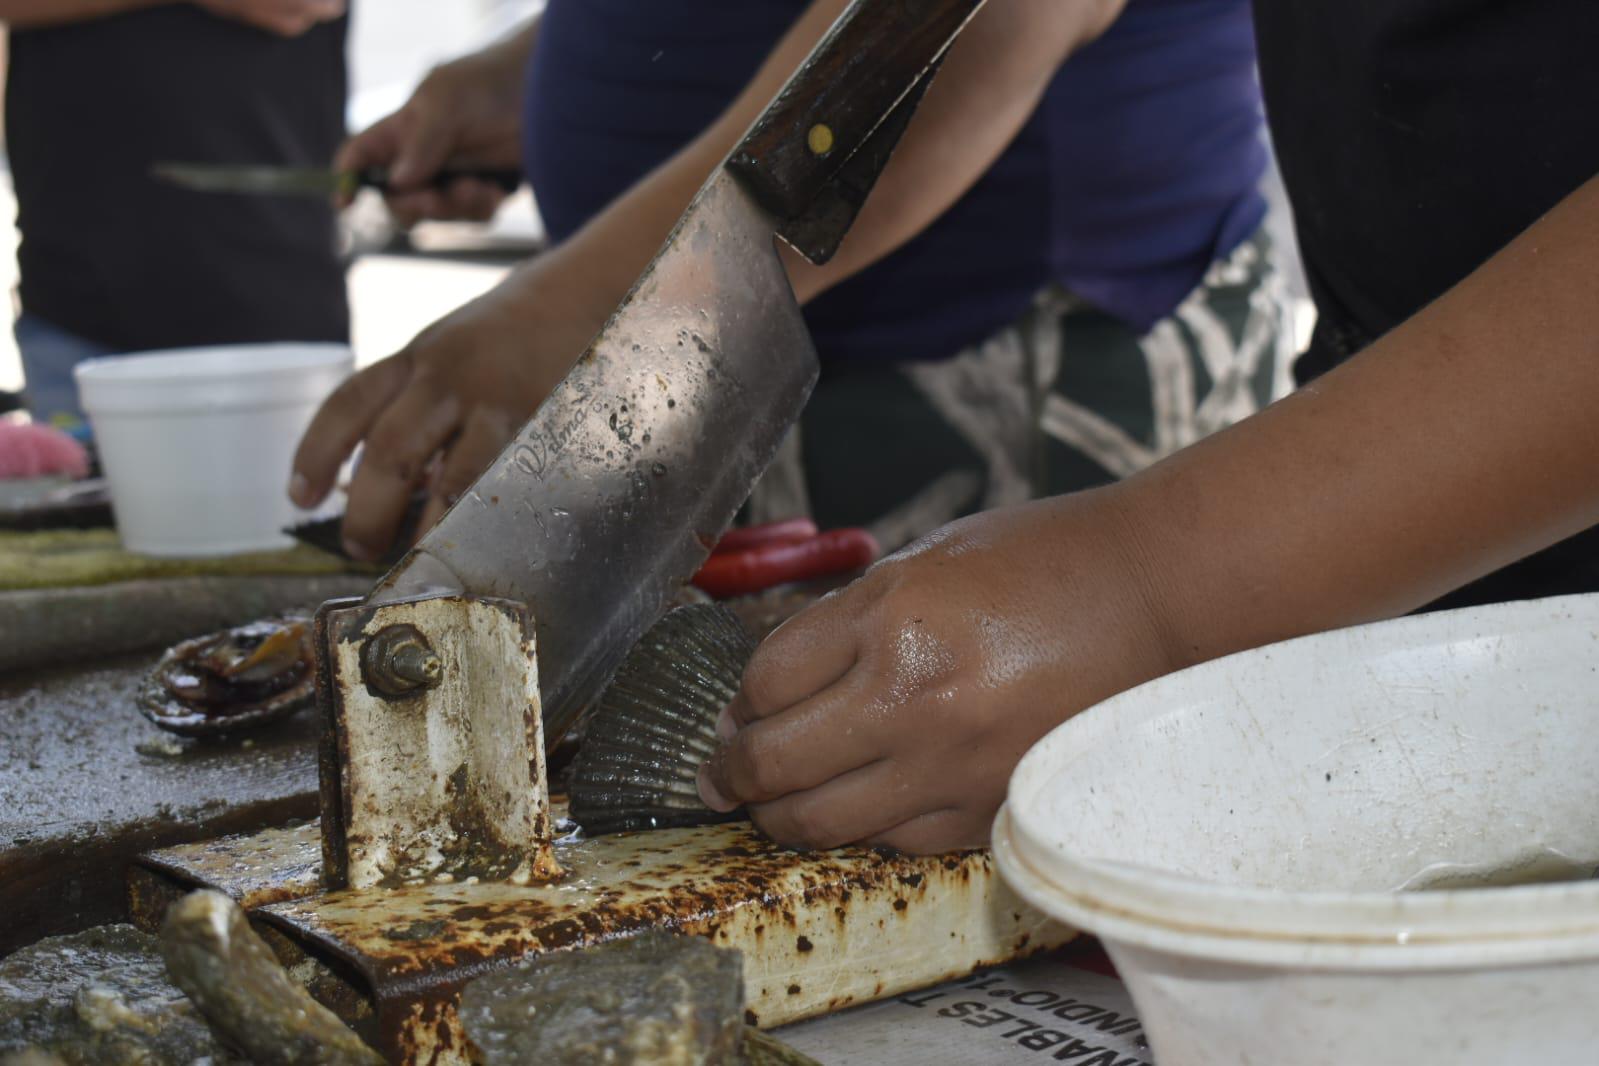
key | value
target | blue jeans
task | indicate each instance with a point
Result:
(48, 355)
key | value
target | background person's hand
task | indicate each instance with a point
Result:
(438, 412)
(286, 18)
(892, 712)
(467, 112)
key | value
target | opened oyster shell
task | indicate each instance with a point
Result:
(655, 723)
(236, 679)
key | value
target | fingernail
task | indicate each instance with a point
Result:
(300, 491)
(356, 550)
(709, 794)
(725, 726)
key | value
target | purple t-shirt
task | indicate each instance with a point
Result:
(1139, 168)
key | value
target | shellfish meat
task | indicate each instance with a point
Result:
(235, 679)
(656, 722)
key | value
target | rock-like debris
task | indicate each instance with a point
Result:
(247, 996)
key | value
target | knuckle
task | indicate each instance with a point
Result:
(454, 483)
(756, 774)
(811, 826)
(391, 453)
(345, 400)
(761, 679)
(373, 383)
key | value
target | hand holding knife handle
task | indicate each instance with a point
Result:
(816, 152)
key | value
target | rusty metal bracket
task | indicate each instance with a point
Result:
(432, 762)
(820, 931)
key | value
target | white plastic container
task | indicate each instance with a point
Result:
(1235, 833)
(197, 443)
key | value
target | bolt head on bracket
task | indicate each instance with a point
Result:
(398, 661)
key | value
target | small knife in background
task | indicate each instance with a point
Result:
(311, 181)
(327, 534)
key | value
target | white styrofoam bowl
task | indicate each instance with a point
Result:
(197, 443)
(1235, 833)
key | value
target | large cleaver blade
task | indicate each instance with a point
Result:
(612, 495)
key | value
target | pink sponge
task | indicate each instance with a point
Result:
(29, 450)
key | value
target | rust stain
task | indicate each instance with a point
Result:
(407, 951)
(271, 866)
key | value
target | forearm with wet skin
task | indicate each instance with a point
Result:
(1462, 441)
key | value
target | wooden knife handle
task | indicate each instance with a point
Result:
(872, 58)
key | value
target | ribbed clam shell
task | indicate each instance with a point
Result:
(656, 722)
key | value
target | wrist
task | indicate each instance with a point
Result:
(483, 75)
(1163, 583)
(566, 283)
(497, 68)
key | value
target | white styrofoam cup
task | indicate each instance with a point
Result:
(197, 443)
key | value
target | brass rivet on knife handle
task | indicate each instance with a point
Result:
(876, 54)
(820, 139)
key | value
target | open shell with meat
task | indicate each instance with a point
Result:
(236, 679)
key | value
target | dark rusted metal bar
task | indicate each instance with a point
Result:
(818, 931)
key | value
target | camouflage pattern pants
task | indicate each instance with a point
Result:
(1065, 399)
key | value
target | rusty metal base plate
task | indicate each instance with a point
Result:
(818, 931)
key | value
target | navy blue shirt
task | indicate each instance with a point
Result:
(1140, 166)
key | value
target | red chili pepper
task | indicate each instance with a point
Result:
(740, 573)
(788, 531)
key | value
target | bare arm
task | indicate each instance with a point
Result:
(894, 712)
(993, 78)
(1462, 441)
(463, 386)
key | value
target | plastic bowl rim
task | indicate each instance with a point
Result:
(1372, 917)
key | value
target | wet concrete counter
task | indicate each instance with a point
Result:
(86, 784)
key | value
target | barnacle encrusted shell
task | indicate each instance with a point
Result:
(656, 998)
(231, 680)
(656, 722)
(244, 993)
(99, 996)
